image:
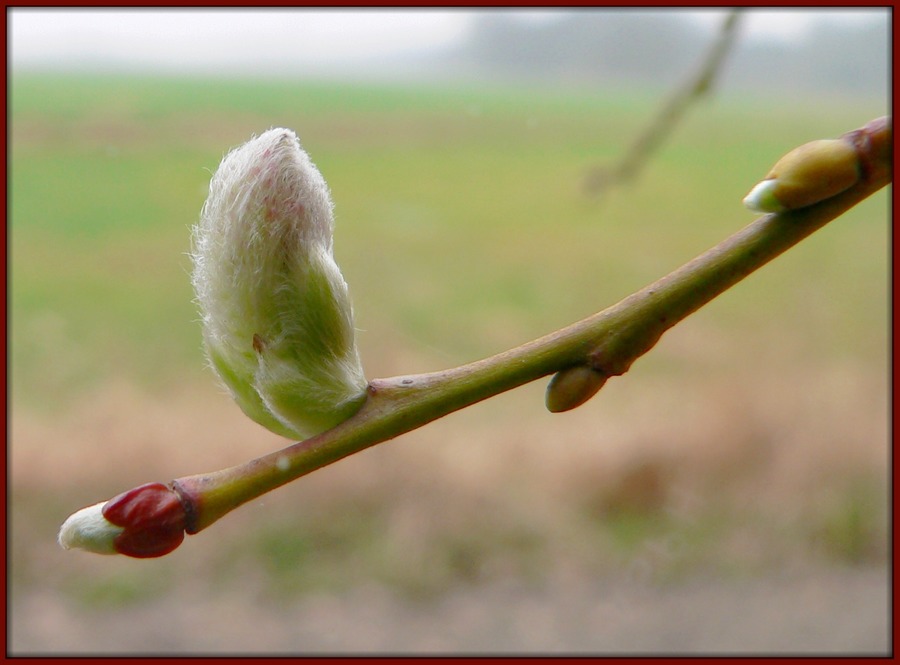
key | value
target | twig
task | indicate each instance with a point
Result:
(609, 342)
(151, 520)
(599, 178)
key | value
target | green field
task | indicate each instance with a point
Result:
(453, 208)
(462, 231)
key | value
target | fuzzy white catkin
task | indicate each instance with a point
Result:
(276, 314)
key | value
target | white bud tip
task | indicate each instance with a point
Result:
(762, 198)
(88, 530)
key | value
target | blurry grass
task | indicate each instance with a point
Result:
(462, 231)
(455, 209)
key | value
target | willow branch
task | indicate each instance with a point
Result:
(607, 342)
(809, 187)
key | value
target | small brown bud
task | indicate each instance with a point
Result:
(572, 387)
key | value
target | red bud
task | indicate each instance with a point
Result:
(153, 518)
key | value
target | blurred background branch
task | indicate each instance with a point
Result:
(599, 178)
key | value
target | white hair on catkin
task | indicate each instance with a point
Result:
(276, 314)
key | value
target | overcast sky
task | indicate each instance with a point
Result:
(253, 40)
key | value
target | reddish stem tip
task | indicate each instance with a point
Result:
(153, 518)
